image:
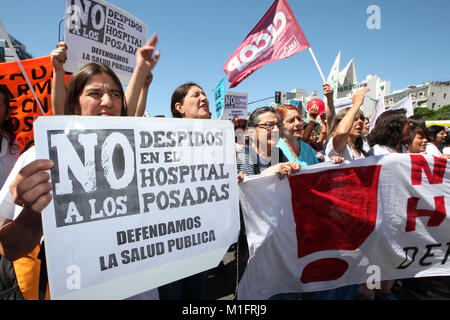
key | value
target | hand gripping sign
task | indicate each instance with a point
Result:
(137, 202)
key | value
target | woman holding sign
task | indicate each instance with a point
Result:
(93, 90)
(137, 89)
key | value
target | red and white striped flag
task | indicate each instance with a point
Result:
(363, 221)
(277, 36)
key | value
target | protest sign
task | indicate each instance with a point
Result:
(24, 107)
(311, 235)
(97, 31)
(333, 76)
(235, 104)
(137, 202)
(348, 82)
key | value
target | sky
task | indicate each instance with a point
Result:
(196, 38)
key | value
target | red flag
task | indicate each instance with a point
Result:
(276, 36)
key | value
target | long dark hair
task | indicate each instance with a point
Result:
(7, 128)
(388, 130)
(79, 80)
(178, 97)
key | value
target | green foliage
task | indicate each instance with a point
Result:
(428, 114)
(441, 114)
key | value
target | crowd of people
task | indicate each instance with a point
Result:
(271, 141)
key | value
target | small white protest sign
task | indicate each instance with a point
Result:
(97, 31)
(235, 104)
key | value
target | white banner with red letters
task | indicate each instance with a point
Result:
(363, 221)
(276, 36)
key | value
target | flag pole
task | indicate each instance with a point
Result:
(317, 64)
(13, 50)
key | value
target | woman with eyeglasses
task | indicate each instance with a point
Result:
(261, 155)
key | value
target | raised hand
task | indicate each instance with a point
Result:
(328, 91)
(358, 97)
(59, 56)
(146, 56)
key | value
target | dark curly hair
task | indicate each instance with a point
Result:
(388, 129)
(7, 127)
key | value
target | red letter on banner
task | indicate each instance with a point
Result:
(419, 163)
(436, 217)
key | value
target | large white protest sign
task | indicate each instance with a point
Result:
(364, 221)
(97, 31)
(235, 104)
(137, 202)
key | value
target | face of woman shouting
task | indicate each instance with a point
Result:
(293, 125)
(195, 104)
(357, 127)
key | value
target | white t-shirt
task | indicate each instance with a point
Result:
(348, 153)
(378, 150)
(433, 150)
(446, 150)
(8, 158)
(8, 209)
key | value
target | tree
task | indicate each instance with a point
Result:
(428, 114)
(443, 113)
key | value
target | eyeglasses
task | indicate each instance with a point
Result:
(268, 125)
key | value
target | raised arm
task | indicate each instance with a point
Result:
(323, 131)
(143, 96)
(146, 59)
(58, 96)
(340, 136)
(306, 136)
(330, 111)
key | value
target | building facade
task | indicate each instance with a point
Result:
(377, 86)
(432, 95)
(6, 54)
